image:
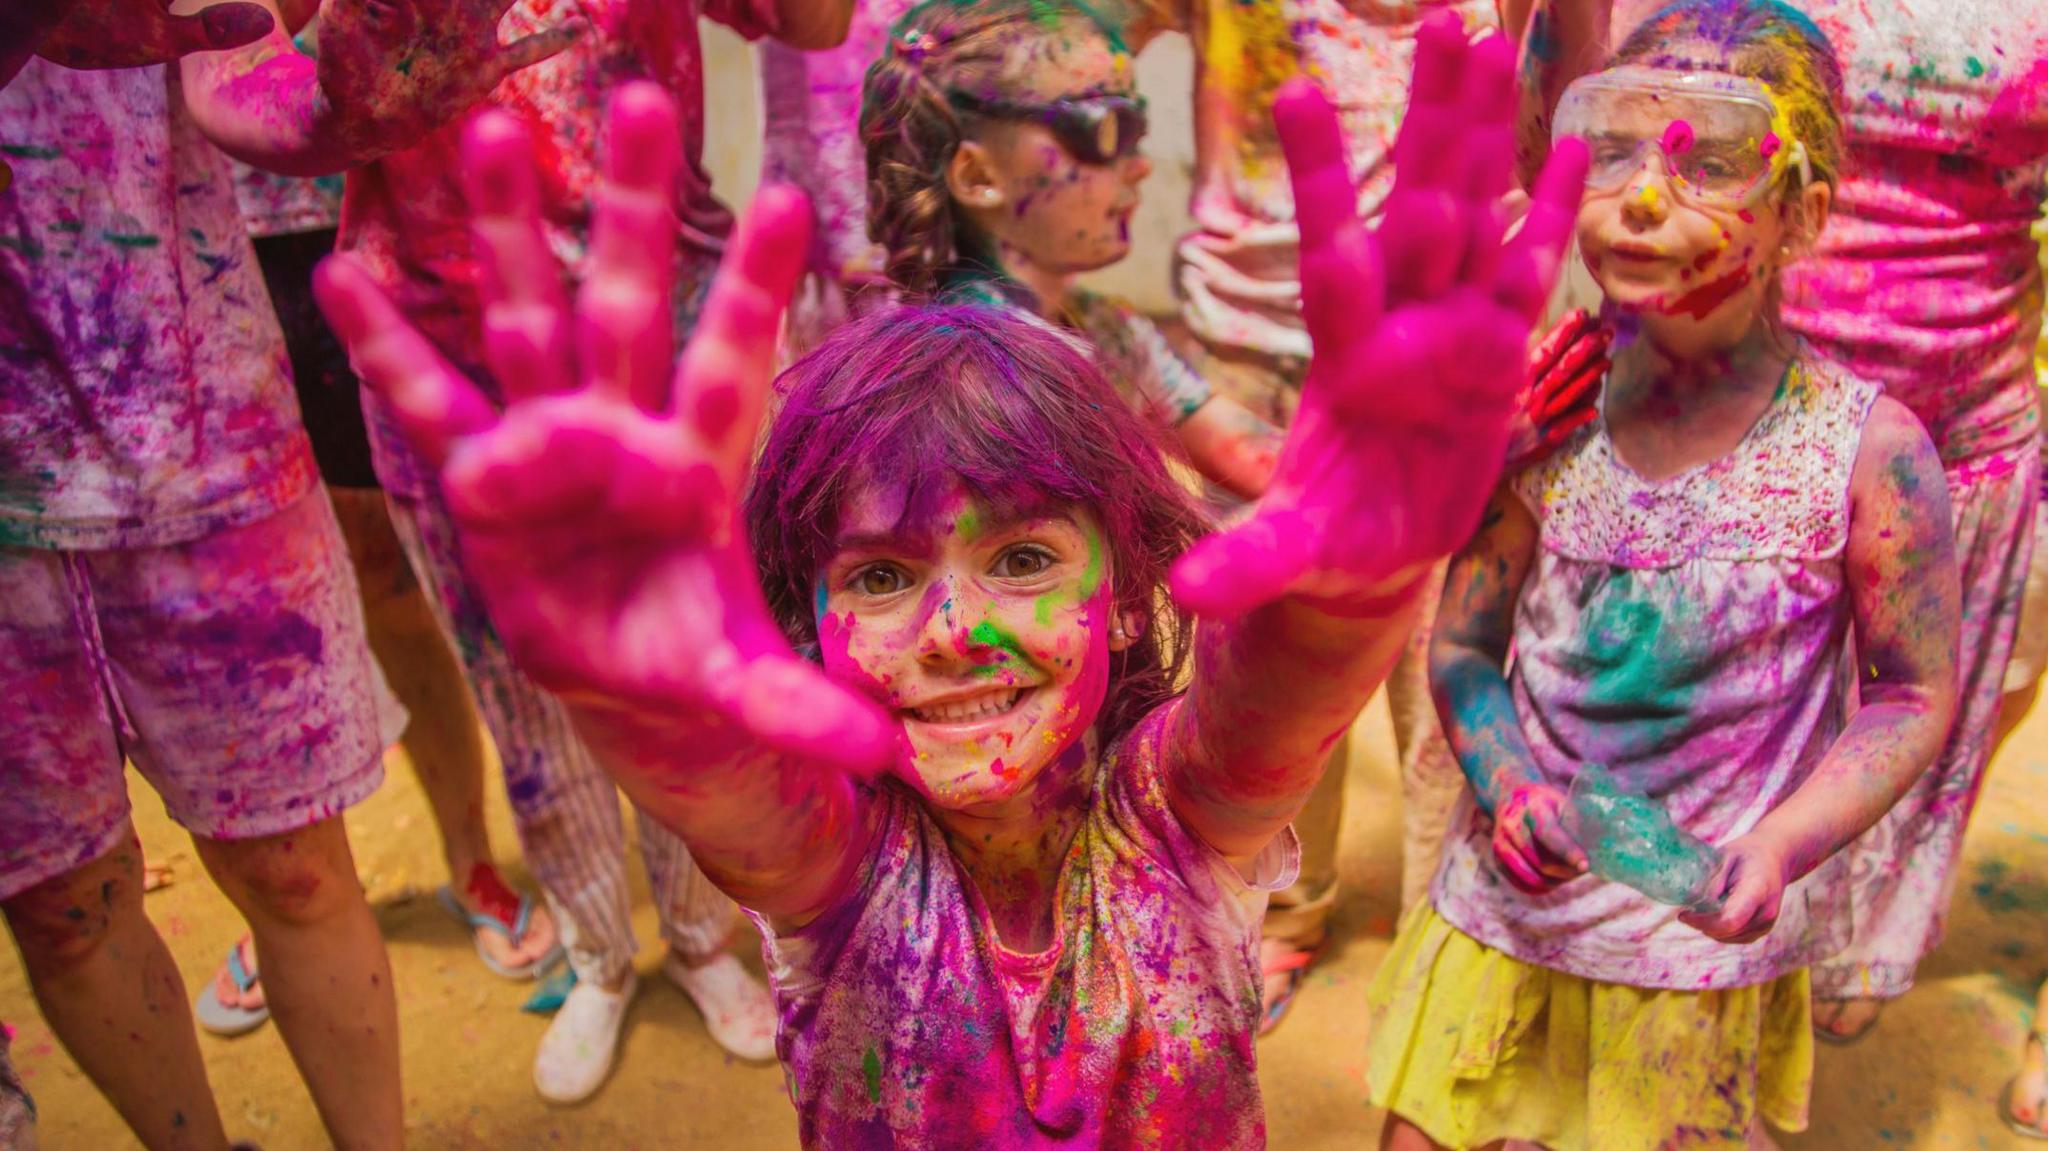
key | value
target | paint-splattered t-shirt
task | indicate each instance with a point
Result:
(906, 1023)
(406, 217)
(1687, 634)
(1925, 280)
(1238, 271)
(145, 398)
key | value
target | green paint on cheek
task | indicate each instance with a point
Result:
(987, 634)
(1041, 608)
(871, 1071)
(1091, 576)
(1975, 67)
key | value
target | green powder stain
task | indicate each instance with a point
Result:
(2000, 892)
(28, 248)
(68, 227)
(30, 152)
(871, 1071)
(1974, 67)
(1631, 651)
(969, 523)
(1901, 470)
(987, 634)
(1091, 576)
(1041, 608)
(130, 240)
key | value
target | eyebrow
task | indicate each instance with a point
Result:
(899, 540)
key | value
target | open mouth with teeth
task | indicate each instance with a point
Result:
(970, 709)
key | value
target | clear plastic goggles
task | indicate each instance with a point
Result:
(1722, 139)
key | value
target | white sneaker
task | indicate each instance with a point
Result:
(575, 1055)
(737, 1009)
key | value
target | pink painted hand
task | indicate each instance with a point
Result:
(1419, 334)
(1750, 888)
(139, 33)
(1564, 381)
(598, 511)
(1531, 842)
(398, 69)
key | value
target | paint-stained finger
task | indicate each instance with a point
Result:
(1561, 338)
(729, 365)
(1252, 564)
(1325, 198)
(624, 329)
(525, 321)
(532, 49)
(433, 402)
(1531, 260)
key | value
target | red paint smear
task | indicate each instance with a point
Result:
(1701, 301)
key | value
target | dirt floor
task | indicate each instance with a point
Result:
(1926, 1079)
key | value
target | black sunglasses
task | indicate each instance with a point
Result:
(1095, 129)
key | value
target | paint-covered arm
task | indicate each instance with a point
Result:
(389, 73)
(1419, 336)
(120, 33)
(599, 510)
(813, 25)
(1561, 40)
(1906, 596)
(1468, 655)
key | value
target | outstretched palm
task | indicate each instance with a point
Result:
(1419, 334)
(598, 510)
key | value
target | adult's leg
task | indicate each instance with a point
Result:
(565, 808)
(110, 990)
(326, 975)
(444, 738)
(70, 868)
(1904, 866)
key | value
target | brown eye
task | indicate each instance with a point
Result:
(879, 580)
(1023, 563)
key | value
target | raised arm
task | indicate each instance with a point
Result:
(120, 33)
(389, 73)
(1905, 592)
(1561, 40)
(1419, 337)
(598, 512)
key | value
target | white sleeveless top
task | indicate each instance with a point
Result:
(1689, 635)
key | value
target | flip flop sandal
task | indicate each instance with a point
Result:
(2013, 1122)
(478, 922)
(1294, 965)
(1835, 1038)
(221, 1019)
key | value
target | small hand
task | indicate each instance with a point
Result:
(1419, 335)
(1530, 840)
(399, 69)
(1750, 885)
(139, 33)
(599, 512)
(1564, 381)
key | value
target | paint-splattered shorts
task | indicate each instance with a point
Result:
(232, 670)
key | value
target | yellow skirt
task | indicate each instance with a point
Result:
(1473, 1046)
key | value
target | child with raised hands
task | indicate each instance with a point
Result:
(1010, 875)
(1679, 586)
(1002, 163)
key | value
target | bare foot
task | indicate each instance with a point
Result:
(1845, 1020)
(224, 988)
(2030, 1089)
(487, 893)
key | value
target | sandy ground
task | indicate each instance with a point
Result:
(1926, 1079)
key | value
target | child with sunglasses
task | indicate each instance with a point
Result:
(1679, 586)
(1002, 145)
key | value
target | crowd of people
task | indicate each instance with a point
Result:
(379, 371)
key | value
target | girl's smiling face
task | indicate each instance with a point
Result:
(989, 638)
(1028, 195)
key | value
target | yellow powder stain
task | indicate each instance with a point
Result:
(1648, 196)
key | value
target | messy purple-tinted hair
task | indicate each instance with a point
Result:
(917, 398)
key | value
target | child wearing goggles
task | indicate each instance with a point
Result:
(1002, 141)
(1679, 585)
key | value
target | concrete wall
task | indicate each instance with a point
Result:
(732, 151)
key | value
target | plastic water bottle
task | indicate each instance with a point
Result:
(1630, 839)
